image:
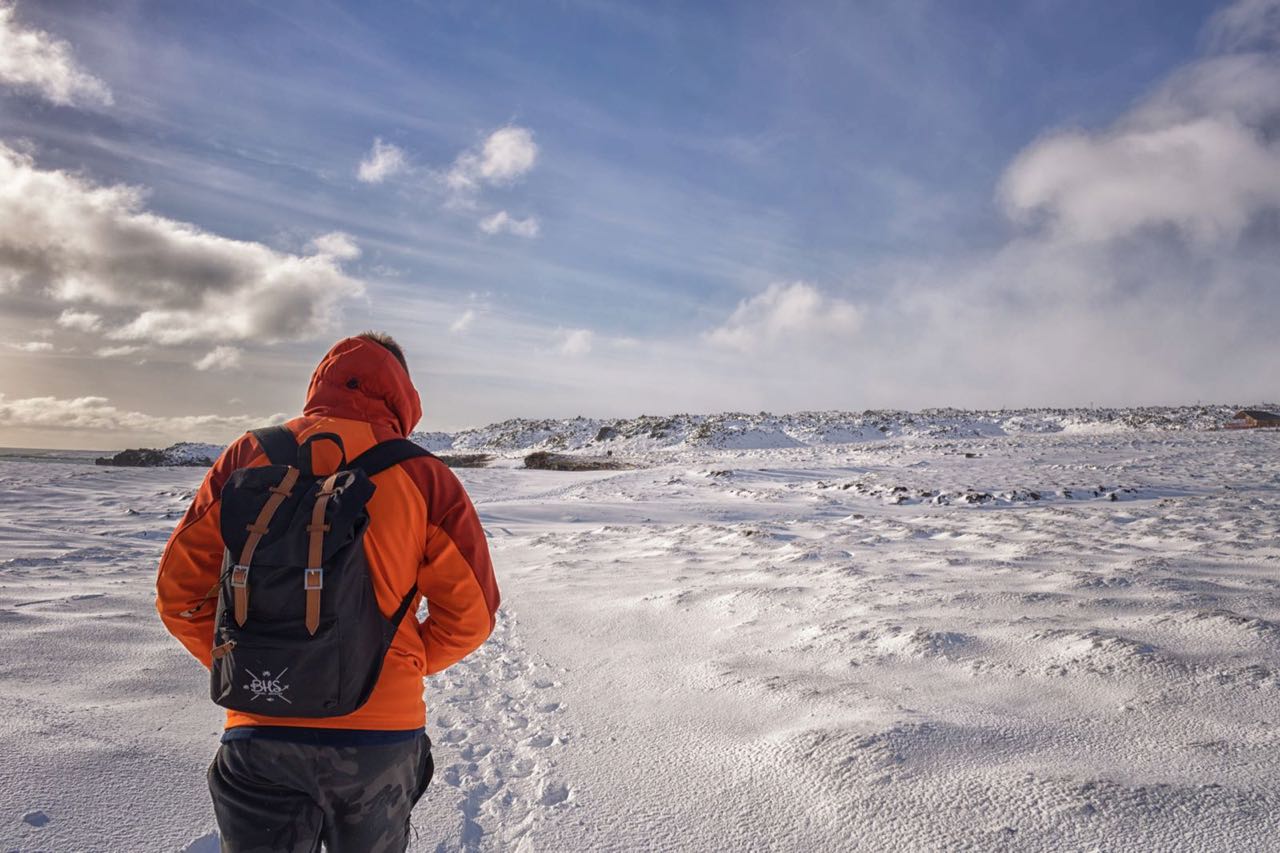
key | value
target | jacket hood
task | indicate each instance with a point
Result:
(361, 380)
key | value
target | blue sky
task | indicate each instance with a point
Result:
(698, 206)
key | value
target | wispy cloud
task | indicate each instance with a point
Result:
(32, 346)
(220, 358)
(787, 313)
(35, 61)
(463, 323)
(336, 244)
(82, 321)
(383, 161)
(96, 249)
(505, 156)
(503, 221)
(574, 342)
(1246, 25)
(118, 352)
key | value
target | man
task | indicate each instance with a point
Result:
(287, 784)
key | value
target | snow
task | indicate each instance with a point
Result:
(735, 646)
(764, 430)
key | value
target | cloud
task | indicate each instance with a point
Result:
(154, 279)
(97, 415)
(35, 61)
(382, 161)
(33, 346)
(1207, 177)
(83, 321)
(576, 342)
(220, 358)
(502, 221)
(1246, 25)
(117, 352)
(463, 322)
(1200, 156)
(505, 156)
(336, 244)
(787, 313)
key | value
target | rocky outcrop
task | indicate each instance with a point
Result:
(182, 455)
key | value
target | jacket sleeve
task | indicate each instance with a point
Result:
(192, 560)
(457, 575)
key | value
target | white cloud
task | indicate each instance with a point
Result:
(98, 416)
(575, 342)
(33, 346)
(463, 322)
(83, 321)
(506, 155)
(220, 358)
(1208, 177)
(117, 352)
(503, 221)
(787, 313)
(336, 244)
(383, 160)
(1200, 156)
(35, 61)
(154, 279)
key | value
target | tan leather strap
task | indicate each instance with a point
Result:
(313, 578)
(219, 651)
(240, 571)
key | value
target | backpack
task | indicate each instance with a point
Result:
(298, 631)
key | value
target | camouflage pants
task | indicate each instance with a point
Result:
(272, 795)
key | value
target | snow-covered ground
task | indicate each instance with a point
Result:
(1021, 640)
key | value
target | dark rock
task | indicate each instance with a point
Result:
(149, 458)
(546, 461)
(465, 460)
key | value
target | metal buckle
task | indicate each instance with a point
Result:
(239, 576)
(313, 579)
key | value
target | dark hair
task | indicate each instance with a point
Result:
(388, 343)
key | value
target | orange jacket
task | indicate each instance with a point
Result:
(422, 529)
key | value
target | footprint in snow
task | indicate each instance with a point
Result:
(500, 702)
(35, 818)
(554, 793)
(207, 843)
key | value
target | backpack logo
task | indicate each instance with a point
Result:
(268, 687)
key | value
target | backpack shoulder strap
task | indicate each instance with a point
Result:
(278, 443)
(382, 456)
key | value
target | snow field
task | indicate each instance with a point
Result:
(735, 650)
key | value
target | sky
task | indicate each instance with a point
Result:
(587, 207)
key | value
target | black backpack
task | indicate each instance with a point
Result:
(298, 630)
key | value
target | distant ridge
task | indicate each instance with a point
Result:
(741, 431)
(761, 431)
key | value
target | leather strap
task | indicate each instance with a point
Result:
(240, 571)
(313, 577)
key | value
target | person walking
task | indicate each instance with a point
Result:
(295, 577)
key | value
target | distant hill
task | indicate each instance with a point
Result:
(741, 431)
(734, 430)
